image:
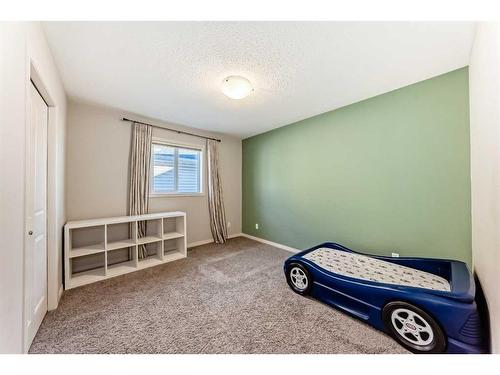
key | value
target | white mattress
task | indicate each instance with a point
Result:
(368, 268)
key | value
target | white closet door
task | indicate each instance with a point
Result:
(36, 215)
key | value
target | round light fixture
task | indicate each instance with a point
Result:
(236, 87)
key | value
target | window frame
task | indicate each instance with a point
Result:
(191, 146)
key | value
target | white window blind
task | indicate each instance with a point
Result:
(176, 170)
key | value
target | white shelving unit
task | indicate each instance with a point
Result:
(99, 249)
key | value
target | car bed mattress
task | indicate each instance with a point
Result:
(367, 268)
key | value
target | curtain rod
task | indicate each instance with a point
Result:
(172, 130)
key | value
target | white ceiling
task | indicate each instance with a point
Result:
(172, 71)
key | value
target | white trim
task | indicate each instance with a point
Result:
(175, 195)
(271, 243)
(53, 258)
(166, 142)
(59, 294)
(53, 230)
(33, 75)
(177, 145)
(199, 243)
(267, 242)
(204, 242)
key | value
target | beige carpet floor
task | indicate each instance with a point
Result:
(230, 298)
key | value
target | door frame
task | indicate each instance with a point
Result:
(53, 291)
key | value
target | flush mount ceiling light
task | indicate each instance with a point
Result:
(236, 87)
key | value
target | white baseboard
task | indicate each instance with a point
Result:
(204, 242)
(275, 244)
(199, 243)
(59, 295)
(258, 239)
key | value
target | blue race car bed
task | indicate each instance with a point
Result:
(427, 305)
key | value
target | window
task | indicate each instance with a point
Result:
(175, 169)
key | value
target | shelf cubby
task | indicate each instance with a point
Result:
(121, 261)
(87, 262)
(98, 249)
(88, 268)
(153, 231)
(155, 256)
(120, 235)
(174, 249)
(87, 277)
(173, 227)
(87, 241)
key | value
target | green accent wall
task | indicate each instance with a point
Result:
(388, 174)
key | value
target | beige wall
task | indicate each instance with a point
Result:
(21, 45)
(484, 76)
(97, 170)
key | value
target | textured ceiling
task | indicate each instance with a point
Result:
(172, 71)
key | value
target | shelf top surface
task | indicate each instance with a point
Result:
(122, 219)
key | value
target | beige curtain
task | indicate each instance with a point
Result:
(215, 200)
(140, 160)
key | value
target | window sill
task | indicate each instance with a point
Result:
(176, 195)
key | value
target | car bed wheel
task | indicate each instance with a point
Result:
(413, 328)
(299, 278)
